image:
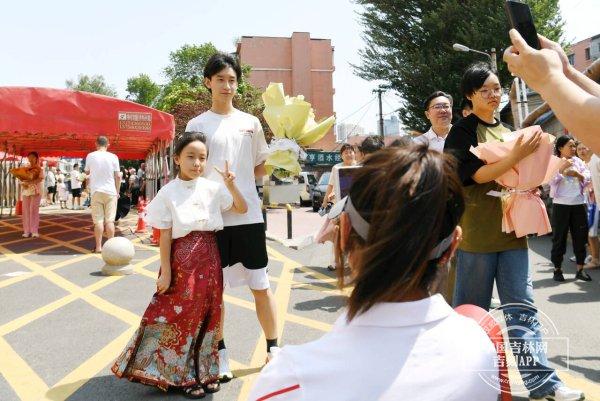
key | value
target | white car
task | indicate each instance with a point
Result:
(308, 182)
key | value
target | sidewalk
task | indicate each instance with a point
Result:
(305, 226)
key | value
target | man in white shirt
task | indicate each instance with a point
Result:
(76, 186)
(237, 138)
(50, 184)
(102, 168)
(438, 110)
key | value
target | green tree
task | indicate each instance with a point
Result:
(185, 96)
(187, 63)
(409, 45)
(142, 89)
(549, 22)
(93, 84)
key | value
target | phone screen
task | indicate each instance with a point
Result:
(520, 18)
(345, 178)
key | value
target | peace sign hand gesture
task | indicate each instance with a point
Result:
(228, 176)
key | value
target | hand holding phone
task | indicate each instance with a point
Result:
(520, 18)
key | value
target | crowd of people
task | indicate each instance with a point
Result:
(412, 208)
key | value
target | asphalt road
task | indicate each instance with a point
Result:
(62, 323)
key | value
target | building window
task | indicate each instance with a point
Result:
(571, 58)
(587, 53)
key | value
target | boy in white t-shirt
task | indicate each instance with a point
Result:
(76, 179)
(104, 182)
(237, 137)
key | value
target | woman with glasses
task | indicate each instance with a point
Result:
(438, 110)
(487, 254)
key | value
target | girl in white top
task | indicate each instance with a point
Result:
(62, 192)
(569, 211)
(398, 339)
(176, 344)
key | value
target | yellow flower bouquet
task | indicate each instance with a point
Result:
(292, 121)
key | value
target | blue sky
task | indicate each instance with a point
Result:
(44, 43)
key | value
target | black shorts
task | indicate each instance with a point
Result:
(245, 243)
(51, 190)
(76, 193)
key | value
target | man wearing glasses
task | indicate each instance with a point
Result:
(438, 110)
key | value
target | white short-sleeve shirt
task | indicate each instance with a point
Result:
(75, 179)
(432, 140)
(101, 166)
(187, 206)
(419, 350)
(239, 139)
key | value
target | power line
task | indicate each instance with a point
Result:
(361, 118)
(356, 111)
(390, 106)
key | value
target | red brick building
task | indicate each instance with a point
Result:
(580, 54)
(304, 65)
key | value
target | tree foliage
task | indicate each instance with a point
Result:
(187, 63)
(93, 84)
(409, 44)
(142, 89)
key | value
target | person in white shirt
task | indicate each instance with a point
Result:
(176, 344)
(104, 181)
(76, 179)
(569, 212)
(50, 184)
(237, 137)
(63, 195)
(593, 259)
(397, 339)
(438, 110)
(348, 159)
(594, 168)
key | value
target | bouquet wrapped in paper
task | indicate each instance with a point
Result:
(292, 121)
(22, 173)
(523, 210)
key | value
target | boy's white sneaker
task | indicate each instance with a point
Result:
(225, 374)
(271, 354)
(563, 393)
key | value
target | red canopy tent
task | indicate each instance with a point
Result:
(60, 122)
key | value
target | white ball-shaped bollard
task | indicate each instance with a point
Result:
(117, 253)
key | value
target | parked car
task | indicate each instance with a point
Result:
(308, 182)
(319, 190)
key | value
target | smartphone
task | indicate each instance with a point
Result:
(519, 17)
(343, 181)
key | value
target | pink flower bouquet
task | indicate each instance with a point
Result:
(523, 210)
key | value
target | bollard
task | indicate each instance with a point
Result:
(289, 220)
(155, 236)
(141, 224)
(264, 212)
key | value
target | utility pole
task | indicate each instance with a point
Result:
(379, 91)
(493, 59)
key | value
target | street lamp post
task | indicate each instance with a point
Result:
(492, 55)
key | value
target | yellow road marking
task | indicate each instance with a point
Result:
(66, 244)
(90, 368)
(19, 375)
(312, 323)
(14, 280)
(36, 314)
(282, 298)
(92, 299)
